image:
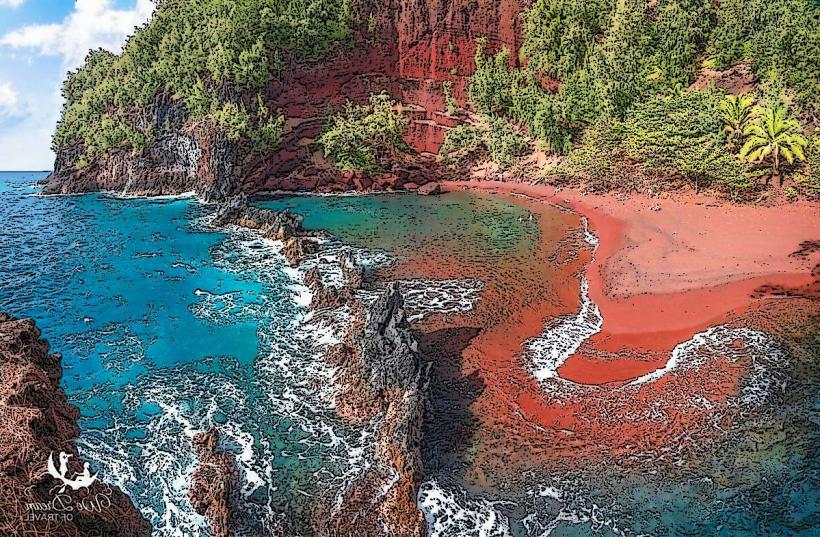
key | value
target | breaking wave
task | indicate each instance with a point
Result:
(562, 338)
(732, 344)
(276, 413)
(450, 512)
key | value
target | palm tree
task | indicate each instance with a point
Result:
(772, 135)
(737, 113)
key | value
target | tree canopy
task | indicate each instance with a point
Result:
(208, 55)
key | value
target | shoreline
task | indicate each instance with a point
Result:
(651, 299)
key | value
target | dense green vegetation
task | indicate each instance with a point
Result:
(495, 137)
(361, 136)
(623, 112)
(781, 39)
(213, 56)
(664, 139)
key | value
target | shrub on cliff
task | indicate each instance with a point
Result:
(615, 71)
(491, 85)
(358, 138)
(495, 136)
(807, 179)
(498, 90)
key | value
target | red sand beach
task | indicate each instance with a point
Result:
(668, 268)
(658, 278)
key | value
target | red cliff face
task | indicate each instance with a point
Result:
(415, 47)
(37, 422)
(436, 44)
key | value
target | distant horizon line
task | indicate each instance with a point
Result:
(26, 171)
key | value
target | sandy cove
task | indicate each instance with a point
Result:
(669, 267)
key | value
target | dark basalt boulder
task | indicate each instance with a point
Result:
(380, 371)
(272, 224)
(429, 189)
(388, 350)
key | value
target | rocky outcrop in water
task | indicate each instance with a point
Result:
(296, 249)
(36, 423)
(382, 373)
(353, 273)
(388, 350)
(326, 297)
(430, 189)
(285, 226)
(214, 483)
(271, 224)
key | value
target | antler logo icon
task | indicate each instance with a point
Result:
(83, 480)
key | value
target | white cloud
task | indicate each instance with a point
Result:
(25, 140)
(9, 100)
(92, 24)
(11, 3)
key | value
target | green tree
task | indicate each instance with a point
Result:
(494, 135)
(620, 64)
(772, 136)
(737, 113)
(359, 137)
(490, 86)
(559, 34)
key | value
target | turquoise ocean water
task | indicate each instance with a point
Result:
(167, 327)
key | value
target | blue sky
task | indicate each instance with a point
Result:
(40, 41)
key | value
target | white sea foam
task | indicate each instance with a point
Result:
(449, 512)
(285, 400)
(125, 196)
(564, 503)
(563, 336)
(427, 297)
(589, 236)
(731, 344)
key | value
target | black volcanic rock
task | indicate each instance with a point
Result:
(276, 225)
(388, 350)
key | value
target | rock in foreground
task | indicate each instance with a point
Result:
(214, 483)
(381, 373)
(37, 423)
